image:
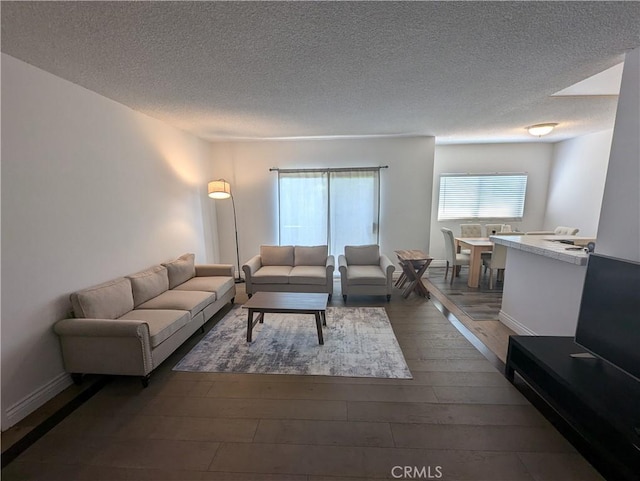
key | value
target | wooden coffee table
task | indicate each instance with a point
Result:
(287, 303)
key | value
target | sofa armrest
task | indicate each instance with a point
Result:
(101, 328)
(212, 270)
(330, 265)
(387, 267)
(342, 267)
(251, 266)
(105, 346)
(342, 263)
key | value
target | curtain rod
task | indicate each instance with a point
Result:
(339, 169)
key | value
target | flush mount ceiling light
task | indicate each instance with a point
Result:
(541, 129)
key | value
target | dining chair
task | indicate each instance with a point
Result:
(453, 258)
(470, 230)
(497, 262)
(492, 229)
(560, 230)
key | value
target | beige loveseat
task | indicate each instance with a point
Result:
(129, 325)
(290, 269)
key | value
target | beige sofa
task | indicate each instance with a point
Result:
(129, 325)
(290, 269)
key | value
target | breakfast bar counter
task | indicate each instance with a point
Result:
(543, 283)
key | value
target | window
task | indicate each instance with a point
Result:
(336, 207)
(482, 196)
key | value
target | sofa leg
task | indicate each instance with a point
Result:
(76, 377)
(233, 300)
(250, 295)
(344, 297)
(329, 297)
(202, 329)
(145, 380)
(388, 297)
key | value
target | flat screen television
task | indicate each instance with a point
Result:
(609, 318)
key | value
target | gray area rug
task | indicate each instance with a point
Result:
(358, 342)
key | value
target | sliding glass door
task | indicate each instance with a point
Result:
(335, 207)
(304, 208)
(353, 209)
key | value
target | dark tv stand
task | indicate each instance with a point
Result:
(599, 402)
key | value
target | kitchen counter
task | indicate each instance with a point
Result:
(542, 283)
(548, 246)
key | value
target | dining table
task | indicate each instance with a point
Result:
(476, 245)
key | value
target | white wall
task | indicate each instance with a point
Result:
(576, 183)
(619, 228)
(533, 158)
(91, 190)
(405, 186)
(541, 294)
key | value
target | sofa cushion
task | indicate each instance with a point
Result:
(163, 323)
(276, 255)
(192, 301)
(366, 275)
(316, 275)
(310, 256)
(149, 284)
(272, 275)
(362, 255)
(181, 270)
(217, 284)
(109, 300)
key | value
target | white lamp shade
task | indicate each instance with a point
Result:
(219, 189)
(541, 129)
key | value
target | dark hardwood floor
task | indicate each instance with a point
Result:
(480, 304)
(458, 418)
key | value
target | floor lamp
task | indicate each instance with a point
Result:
(221, 189)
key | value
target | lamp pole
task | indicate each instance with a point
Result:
(238, 279)
(221, 189)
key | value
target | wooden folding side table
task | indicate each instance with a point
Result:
(414, 264)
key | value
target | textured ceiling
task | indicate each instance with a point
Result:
(461, 71)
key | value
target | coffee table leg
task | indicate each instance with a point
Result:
(319, 327)
(249, 324)
(324, 317)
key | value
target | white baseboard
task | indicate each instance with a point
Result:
(438, 263)
(514, 325)
(37, 398)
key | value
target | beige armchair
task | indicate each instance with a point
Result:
(364, 270)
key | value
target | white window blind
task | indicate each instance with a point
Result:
(482, 196)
